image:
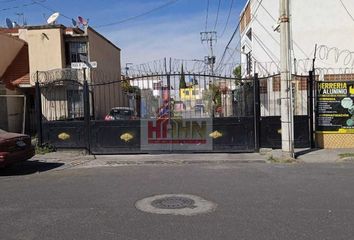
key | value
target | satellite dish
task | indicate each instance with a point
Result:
(74, 22)
(9, 23)
(82, 20)
(53, 18)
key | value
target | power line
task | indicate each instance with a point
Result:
(270, 15)
(234, 34)
(228, 18)
(266, 49)
(217, 15)
(346, 9)
(6, 1)
(207, 16)
(139, 15)
(228, 44)
(50, 9)
(20, 6)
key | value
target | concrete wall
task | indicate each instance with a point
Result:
(322, 22)
(9, 49)
(108, 69)
(46, 49)
(11, 110)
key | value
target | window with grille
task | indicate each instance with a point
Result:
(75, 52)
(249, 63)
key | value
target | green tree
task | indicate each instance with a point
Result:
(237, 72)
(182, 79)
(212, 98)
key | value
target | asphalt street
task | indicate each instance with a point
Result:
(254, 201)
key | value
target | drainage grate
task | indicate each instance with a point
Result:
(174, 202)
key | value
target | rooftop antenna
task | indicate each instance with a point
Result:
(53, 18)
(9, 23)
(82, 21)
(74, 22)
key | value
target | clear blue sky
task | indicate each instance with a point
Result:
(172, 31)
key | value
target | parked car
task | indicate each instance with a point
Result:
(14, 148)
(121, 113)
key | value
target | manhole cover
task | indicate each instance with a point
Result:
(173, 203)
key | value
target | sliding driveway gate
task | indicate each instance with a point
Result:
(171, 113)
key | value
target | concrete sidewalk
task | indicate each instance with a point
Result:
(81, 159)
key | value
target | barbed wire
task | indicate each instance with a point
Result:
(343, 56)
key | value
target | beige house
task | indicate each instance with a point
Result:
(51, 50)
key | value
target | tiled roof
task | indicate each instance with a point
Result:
(18, 71)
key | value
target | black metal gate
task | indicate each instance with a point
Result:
(270, 120)
(174, 112)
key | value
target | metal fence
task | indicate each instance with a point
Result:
(115, 116)
(97, 116)
(270, 95)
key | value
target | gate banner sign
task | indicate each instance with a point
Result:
(176, 134)
(335, 107)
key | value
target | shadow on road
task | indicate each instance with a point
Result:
(28, 167)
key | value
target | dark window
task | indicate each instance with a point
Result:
(75, 52)
(249, 34)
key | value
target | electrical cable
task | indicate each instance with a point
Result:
(20, 6)
(228, 44)
(346, 9)
(234, 33)
(228, 19)
(207, 16)
(6, 1)
(139, 15)
(266, 50)
(50, 9)
(269, 14)
(217, 15)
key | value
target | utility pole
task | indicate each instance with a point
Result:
(287, 115)
(210, 38)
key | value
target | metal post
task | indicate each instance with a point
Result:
(38, 111)
(24, 114)
(169, 102)
(310, 102)
(86, 96)
(286, 87)
(257, 112)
